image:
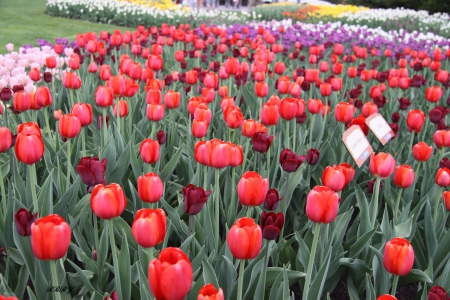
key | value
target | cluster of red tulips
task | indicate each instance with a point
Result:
(217, 84)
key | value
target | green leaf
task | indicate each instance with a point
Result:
(380, 275)
(404, 229)
(370, 291)
(361, 243)
(227, 277)
(125, 268)
(170, 166)
(209, 276)
(84, 277)
(122, 165)
(315, 291)
(430, 235)
(417, 275)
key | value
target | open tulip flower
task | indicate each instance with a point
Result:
(230, 142)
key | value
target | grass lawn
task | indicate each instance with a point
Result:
(24, 21)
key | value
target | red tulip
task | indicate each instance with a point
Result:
(443, 177)
(104, 96)
(322, 205)
(117, 84)
(149, 227)
(211, 80)
(403, 176)
(71, 81)
(123, 108)
(272, 199)
(209, 292)
(150, 188)
(105, 72)
(29, 147)
(171, 266)
(109, 201)
(155, 62)
(214, 153)
(22, 101)
(343, 112)
(237, 155)
(172, 99)
(325, 89)
(382, 165)
(43, 97)
(315, 106)
(250, 127)
(149, 151)
(386, 297)
(50, 62)
(311, 75)
(50, 237)
(232, 66)
(291, 108)
(442, 138)
(5, 139)
(415, 120)
(191, 77)
(23, 219)
(233, 116)
(261, 142)
(261, 89)
(155, 112)
(194, 198)
(336, 84)
(271, 224)
(369, 108)
(398, 257)
(245, 239)
(252, 189)
(348, 171)
(269, 114)
(421, 151)
(199, 128)
(433, 94)
(446, 196)
(69, 126)
(352, 72)
(8, 298)
(334, 178)
(437, 293)
(135, 71)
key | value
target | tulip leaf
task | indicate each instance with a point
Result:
(404, 229)
(122, 166)
(303, 252)
(430, 235)
(352, 292)
(250, 287)
(103, 248)
(31, 295)
(380, 275)
(125, 268)
(275, 293)
(24, 247)
(4, 286)
(364, 218)
(143, 281)
(360, 244)
(22, 282)
(45, 197)
(416, 275)
(110, 154)
(136, 166)
(170, 166)
(370, 291)
(15, 255)
(122, 226)
(442, 253)
(193, 294)
(187, 242)
(357, 267)
(40, 280)
(209, 276)
(84, 277)
(444, 279)
(227, 276)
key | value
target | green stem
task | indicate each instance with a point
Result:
(284, 203)
(104, 128)
(3, 191)
(436, 206)
(247, 143)
(311, 130)
(294, 139)
(47, 124)
(311, 261)
(399, 197)
(216, 203)
(118, 115)
(287, 135)
(192, 231)
(264, 270)
(57, 295)
(33, 182)
(259, 162)
(375, 205)
(94, 220)
(69, 166)
(394, 285)
(71, 100)
(411, 141)
(241, 279)
(117, 282)
(233, 188)
(205, 177)
(83, 141)
(249, 211)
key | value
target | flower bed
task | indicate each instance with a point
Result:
(213, 158)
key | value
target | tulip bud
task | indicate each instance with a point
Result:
(290, 161)
(403, 176)
(161, 137)
(272, 199)
(398, 257)
(443, 177)
(92, 171)
(261, 142)
(194, 198)
(271, 224)
(322, 205)
(245, 229)
(24, 219)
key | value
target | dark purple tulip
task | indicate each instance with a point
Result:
(194, 198)
(161, 137)
(23, 220)
(312, 157)
(301, 119)
(271, 224)
(403, 103)
(261, 142)
(272, 199)
(437, 114)
(290, 161)
(444, 163)
(6, 94)
(437, 293)
(100, 121)
(48, 77)
(92, 171)
(371, 186)
(395, 117)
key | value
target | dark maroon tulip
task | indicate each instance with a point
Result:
(371, 186)
(380, 101)
(18, 88)
(442, 125)
(161, 137)
(261, 142)
(271, 224)
(395, 117)
(100, 122)
(272, 199)
(355, 93)
(403, 103)
(23, 220)
(290, 161)
(312, 157)
(92, 171)
(437, 114)
(418, 66)
(444, 163)
(301, 118)
(113, 296)
(194, 198)
(6, 94)
(305, 86)
(48, 77)
(437, 293)
(94, 254)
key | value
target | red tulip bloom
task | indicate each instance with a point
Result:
(172, 99)
(191, 77)
(443, 177)
(150, 188)
(214, 153)
(123, 108)
(382, 165)
(334, 178)
(5, 139)
(311, 75)
(105, 73)
(232, 66)
(50, 237)
(104, 96)
(199, 128)
(446, 196)
(22, 101)
(237, 155)
(344, 112)
(117, 84)
(325, 89)
(442, 138)
(322, 205)
(149, 151)
(109, 201)
(403, 176)
(171, 266)
(209, 292)
(398, 257)
(315, 106)
(51, 62)
(271, 224)
(233, 116)
(437, 293)
(29, 147)
(69, 126)
(269, 114)
(149, 227)
(23, 219)
(250, 127)
(252, 189)
(245, 239)
(261, 89)
(369, 108)
(386, 297)
(415, 120)
(43, 97)
(211, 80)
(92, 171)
(155, 62)
(433, 94)
(348, 171)
(421, 151)
(291, 108)
(71, 81)
(155, 112)
(272, 199)
(194, 198)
